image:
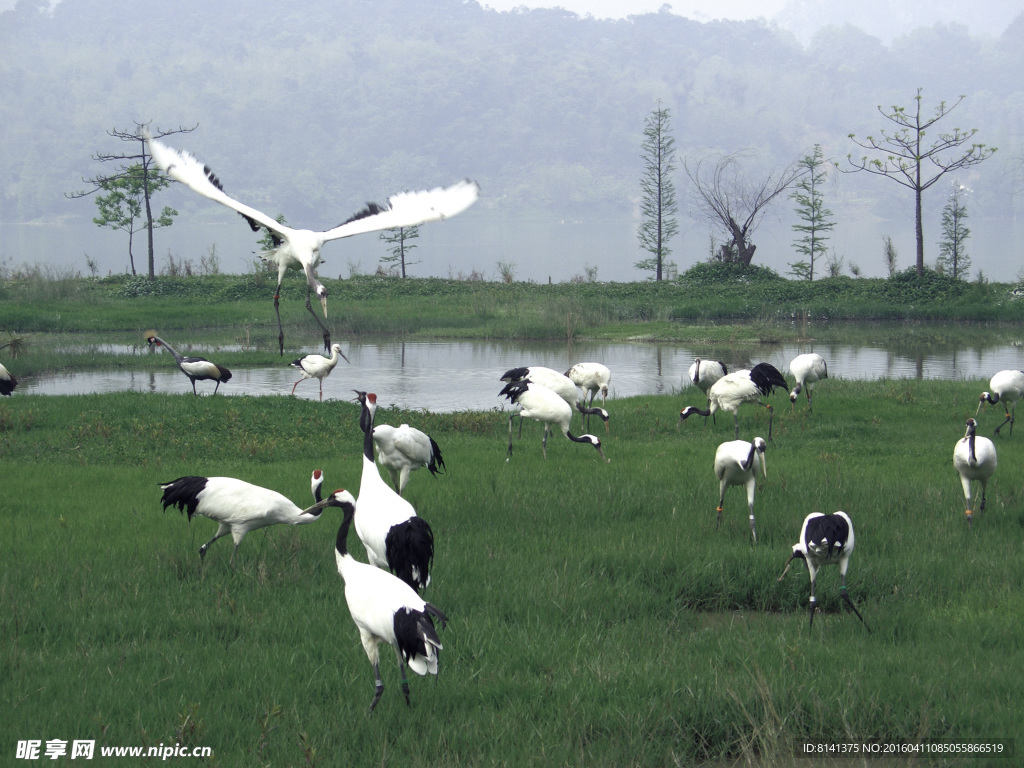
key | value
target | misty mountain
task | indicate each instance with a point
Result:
(313, 108)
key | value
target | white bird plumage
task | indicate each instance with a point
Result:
(808, 369)
(385, 609)
(300, 248)
(737, 463)
(560, 384)
(404, 449)
(825, 540)
(974, 459)
(1006, 387)
(196, 368)
(318, 367)
(704, 373)
(734, 389)
(236, 505)
(542, 404)
(7, 381)
(592, 378)
(395, 538)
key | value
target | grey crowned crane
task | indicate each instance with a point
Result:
(385, 609)
(317, 367)
(299, 249)
(7, 382)
(825, 540)
(560, 384)
(394, 537)
(196, 368)
(808, 369)
(1006, 387)
(237, 506)
(542, 404)
(734, 389)
(974, 459)
(737, 463)
(404, 449)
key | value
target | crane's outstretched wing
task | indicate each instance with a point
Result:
(184, 167)
(408, 209)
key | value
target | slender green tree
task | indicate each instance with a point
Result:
(399, 240)
(904, 158)
(123, 203)
(141, 158)
(815, 218)
(953, 257)
(658, 208)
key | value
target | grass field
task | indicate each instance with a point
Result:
(597, 616)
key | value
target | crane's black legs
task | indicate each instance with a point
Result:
(327, 334)
(1009, 418)
(753, 530)
(277, 311)
(510, 417)
(378, 689)
(849, 602)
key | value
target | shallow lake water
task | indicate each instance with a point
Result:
(464, 375)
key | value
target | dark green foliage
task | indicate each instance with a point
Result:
(717, 272)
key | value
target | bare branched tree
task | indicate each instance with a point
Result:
(904, 158)
(130, 163)
(732, 203)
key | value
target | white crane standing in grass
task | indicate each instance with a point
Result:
(300, 248)
(1006, 387)
(542, 404)
(196, 368)
(734, 389)
(825, 540)
(737, 463)
(237, 506)
(404, 449)
(317, 367)
(560, 384)
(808, 369)
(975, 459)
(384, 608)
(592, 378)
(704, 373)
(394, 537)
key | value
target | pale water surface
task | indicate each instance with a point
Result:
(464, 375)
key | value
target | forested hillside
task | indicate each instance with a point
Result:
(312, 107)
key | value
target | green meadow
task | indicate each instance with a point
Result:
(597, 617)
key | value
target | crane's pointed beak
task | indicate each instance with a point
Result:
(323, 303)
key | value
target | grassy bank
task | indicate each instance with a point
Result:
(597, 615)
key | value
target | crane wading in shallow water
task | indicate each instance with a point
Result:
(196, 368)
(300, 248)
(317, 367)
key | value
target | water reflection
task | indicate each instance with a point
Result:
(463, 375)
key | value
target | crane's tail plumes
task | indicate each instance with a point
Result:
(766, 377)
(417, 638)
(436, 464)
(409, 549)
(183, 493)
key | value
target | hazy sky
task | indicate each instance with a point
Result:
(617, 9)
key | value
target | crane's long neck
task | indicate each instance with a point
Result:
(170, 349)
(341, 544)
(746, 465)
(366, 424)
(973, 460)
